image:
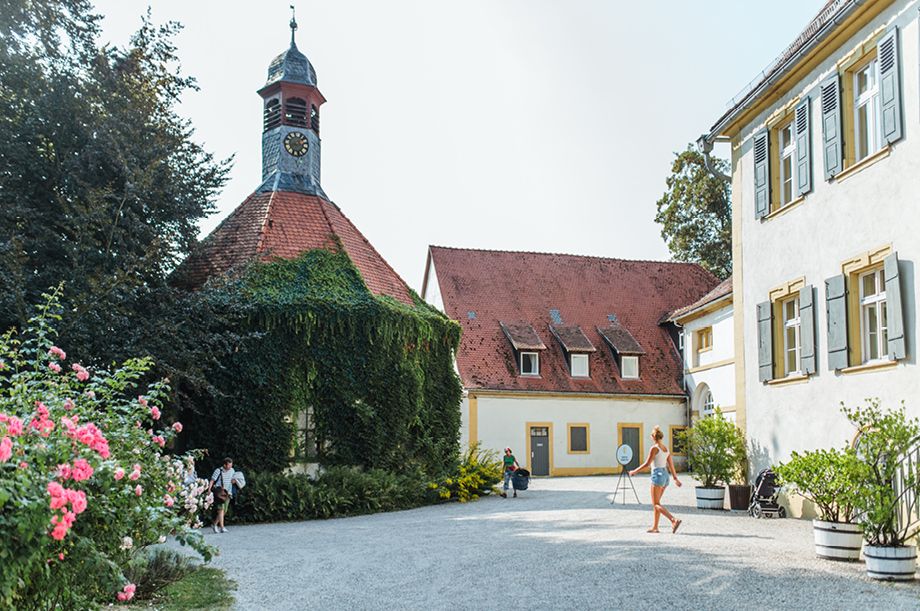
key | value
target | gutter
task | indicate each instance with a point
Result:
(706, 140)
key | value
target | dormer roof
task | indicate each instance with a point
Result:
(522, 336)
(572, 338)
(620, 339)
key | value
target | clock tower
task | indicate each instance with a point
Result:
(290, 124)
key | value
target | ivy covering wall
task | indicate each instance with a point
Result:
(372, 378)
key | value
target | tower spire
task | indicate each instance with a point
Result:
(293, 25)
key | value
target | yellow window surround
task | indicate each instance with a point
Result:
(672, 430)
(587, 428)
(847, 118)
(853, 268)
(779, 295)
(632, 425)
(774, 152)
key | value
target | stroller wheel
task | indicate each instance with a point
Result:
(782, 512)
(756, 511)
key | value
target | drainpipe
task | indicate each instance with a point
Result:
(704, 144)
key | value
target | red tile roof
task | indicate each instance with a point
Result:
(284, 224)
(724, 288)
(479, 288)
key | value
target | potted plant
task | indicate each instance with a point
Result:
(886, 500)
(830, 479)
(715, 450)
(739, 494)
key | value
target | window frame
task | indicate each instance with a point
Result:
(786, 152)
(572, 425)
(879, 301)
(536, 355)
(794, 323)
(634, 358)
(868, 99)
(587, 361)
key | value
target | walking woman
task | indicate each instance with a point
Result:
(660, 459)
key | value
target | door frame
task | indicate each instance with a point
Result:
(631, 425)
(548, 425)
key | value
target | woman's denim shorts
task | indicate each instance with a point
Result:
(660, 477)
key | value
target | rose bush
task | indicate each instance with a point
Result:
(84, 482)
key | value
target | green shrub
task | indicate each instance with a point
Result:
(828, 478)
(716, 450)
(478, 472)
(884, 440)
(151, 570)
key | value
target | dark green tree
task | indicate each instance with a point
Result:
(695, 213)
(102, 186)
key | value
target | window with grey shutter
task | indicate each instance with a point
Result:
(807, 330)
(897, 347)
(765, 340)
(761, 174)
(803, 147)
(835, 289)
(889, 87)
(830, 127)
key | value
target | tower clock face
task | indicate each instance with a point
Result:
(296, 144)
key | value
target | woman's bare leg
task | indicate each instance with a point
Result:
(659, 507)
(656, 496)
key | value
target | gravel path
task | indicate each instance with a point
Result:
(560, 544)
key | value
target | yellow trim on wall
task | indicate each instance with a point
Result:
(783, 114)
(548, 425)
(671, 431)
(869, 367)
(568, 437)
(774, 152)
(785, 208)
(857, 53)
(862, 164)
(712, 365)
(474, 419)
(863, 261)
(631, 425)
(480, 392)
(713, 306)
(787, 288)
(779, 296)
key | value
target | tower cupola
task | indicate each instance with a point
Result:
(290, 122)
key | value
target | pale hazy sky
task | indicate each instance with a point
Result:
(509, 124)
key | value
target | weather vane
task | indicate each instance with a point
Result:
(293, 23)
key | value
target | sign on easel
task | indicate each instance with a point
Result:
(624, 457)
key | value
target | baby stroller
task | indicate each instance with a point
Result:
(763, 498)
(521, 479)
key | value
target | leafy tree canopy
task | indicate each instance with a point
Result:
(695, 213)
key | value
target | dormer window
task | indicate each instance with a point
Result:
(295, 112)
(530, 363)
(578, 364)
(629, 367)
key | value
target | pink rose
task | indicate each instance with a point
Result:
(55, 351)
(68, 405)
(177, 427)
(139, 490)
(142, 400)
(61, 556)
(160, 441)
(63, 471)
(54, 367)
(155, 413)
(23, 465)
(14, 426)
(6, 449)
(81, 470)
(90, 394)
(168, 500)
(77, 500)
(119, 473)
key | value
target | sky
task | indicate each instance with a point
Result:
(540, 125)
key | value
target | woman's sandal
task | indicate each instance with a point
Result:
(653, 530)
(676, 526)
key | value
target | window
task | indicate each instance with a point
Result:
(707, 403)
(873, 315)
(579, 365)
(578, 439)
(295, 112)
(792, 336)
(530, 363)
(629, 367)
(704, 339)
(678, 444)
(272, 114)
(865, 110)
(786, 163)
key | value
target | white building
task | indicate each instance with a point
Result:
(825, 182)
(708, 341)
(563, 357)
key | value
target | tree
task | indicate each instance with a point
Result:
(695, 213)
(102, 186)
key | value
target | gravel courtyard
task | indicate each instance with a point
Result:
(560, 544)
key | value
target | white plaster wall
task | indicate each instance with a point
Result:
(433, 289)
(503, 423)
(464, 422)
(720, 380)
(872, 208)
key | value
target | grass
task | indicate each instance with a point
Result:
(204, 588)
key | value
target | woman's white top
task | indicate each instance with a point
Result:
(660, 460)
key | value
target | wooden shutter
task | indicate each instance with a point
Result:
(807, 331)
(897, 347)
(830, 127)
(837, 348)
(765, 340)
(761, 174)
(803, 147)
(890, 86)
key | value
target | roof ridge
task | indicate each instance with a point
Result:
(263, 228)
(566, 254)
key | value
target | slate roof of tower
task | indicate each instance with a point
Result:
(292, 66)
(587, 292)
(283, 224)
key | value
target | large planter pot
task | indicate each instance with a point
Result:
(837, 540)
(739, 497)
(891, 563)
(710, 498)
